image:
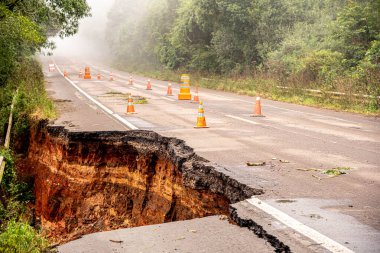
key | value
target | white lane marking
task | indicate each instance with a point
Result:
(292, 110)
(319, 238)
(241, 119)
(170, 99)
(294, 132)
(125, 122)
(286, 109)
(309, 113)
(104, 108)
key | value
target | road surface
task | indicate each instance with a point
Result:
(344, 209)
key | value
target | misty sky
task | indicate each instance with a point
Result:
(89, 41)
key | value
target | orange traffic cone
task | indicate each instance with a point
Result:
(130, 106)
(111, 77)
(201, 120)
(87, 74)
(170, 90)
(80, 74)
(99, 76)
(65, 73)
(148, 85)
(130, 82)
(258, 112)
(196, 96)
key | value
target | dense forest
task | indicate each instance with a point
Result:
(332, 45)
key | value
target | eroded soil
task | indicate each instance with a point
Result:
(87, 182)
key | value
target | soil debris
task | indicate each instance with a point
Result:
(286, 201)
(334, 172)
(116, 241)
(256, 163)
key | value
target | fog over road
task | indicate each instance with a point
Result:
(308, 138)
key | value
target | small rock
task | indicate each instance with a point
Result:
(222, 217)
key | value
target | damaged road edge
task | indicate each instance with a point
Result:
(82, 178)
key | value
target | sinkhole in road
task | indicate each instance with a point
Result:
(88, 182)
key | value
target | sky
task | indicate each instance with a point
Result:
(89, 42)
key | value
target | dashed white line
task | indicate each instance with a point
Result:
(104, 108)
(241, 119)
(169, 99)
(319, 238)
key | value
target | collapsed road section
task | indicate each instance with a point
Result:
(86, 182)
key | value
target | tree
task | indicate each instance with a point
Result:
(26, 25)
(356, 27)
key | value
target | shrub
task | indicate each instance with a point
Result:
(20, 237)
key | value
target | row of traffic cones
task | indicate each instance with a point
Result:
(201, 119)
(130, 82)
(169, 91)
(88, 75)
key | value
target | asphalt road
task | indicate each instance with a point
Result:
(344, 208)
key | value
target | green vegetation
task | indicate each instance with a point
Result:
(336, 171)
(139, 100)
(116, 93)
(25, 28)
(20, 238)
(136, 99)
(16, 235)
(254, 46)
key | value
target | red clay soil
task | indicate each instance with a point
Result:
(87, 182)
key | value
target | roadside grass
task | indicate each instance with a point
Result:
(32, 101)
(269, 88)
